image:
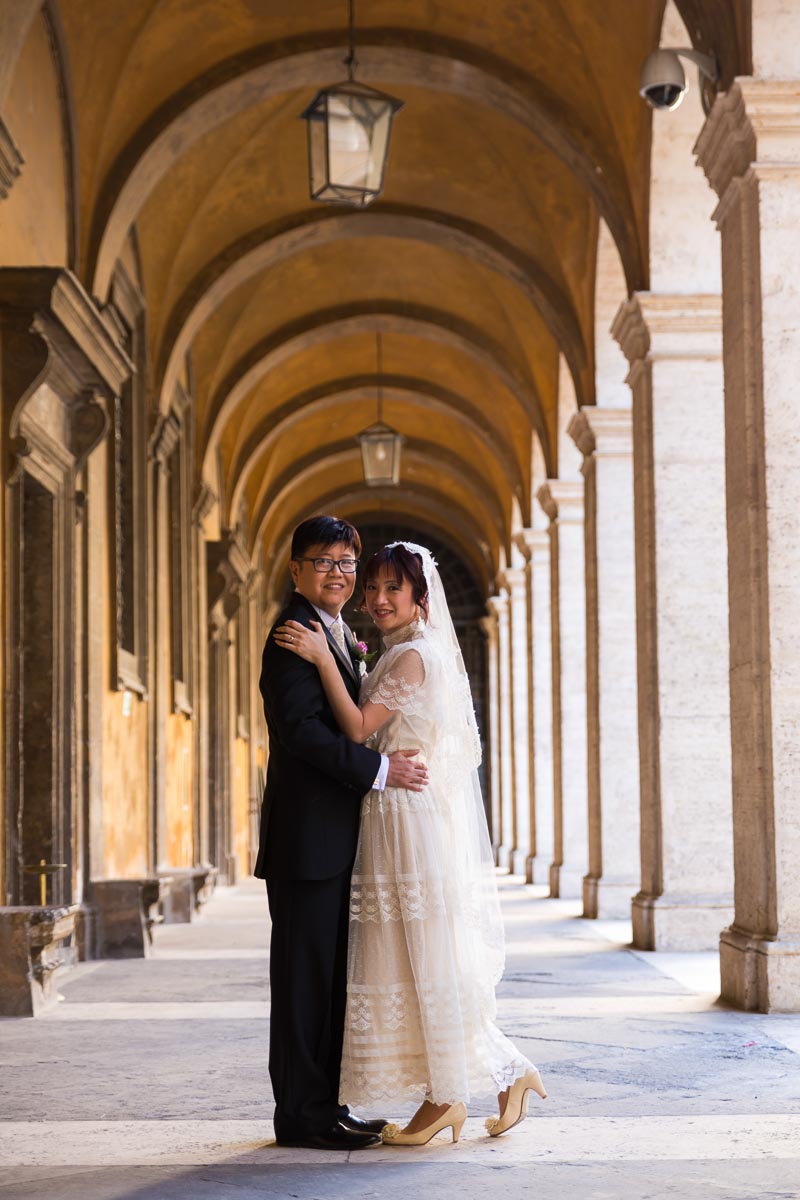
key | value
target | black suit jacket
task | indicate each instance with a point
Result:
(316, 777)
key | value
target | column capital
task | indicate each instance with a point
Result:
(603, 432)
(529, 541)
(651, 326)
(489, 627)
(51, 332)
(497, 607)
(755, 123)
(204, 501)
(164, 438)
(562, 500)
(228, 568)
(512, 579)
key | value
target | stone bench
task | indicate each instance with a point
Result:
(124, 915)
(34, 942)
(188, 889)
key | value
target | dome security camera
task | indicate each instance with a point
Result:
(662, 82)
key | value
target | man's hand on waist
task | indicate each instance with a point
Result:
(405, 773)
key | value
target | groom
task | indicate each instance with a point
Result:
(316, 778)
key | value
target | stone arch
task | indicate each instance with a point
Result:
(38, 176)
(265, 247)
(386, 316)
(329, 395)
(447, 464)
(387, 57)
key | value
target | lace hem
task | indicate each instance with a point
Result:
(395, 901)
(399, 1085)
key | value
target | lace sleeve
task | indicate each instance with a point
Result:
(400, 685)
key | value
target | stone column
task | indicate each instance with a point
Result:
(504, 757)
(673, 343)
(162, 443)
(535, 546)
(750, 150)
(604, 437)
(489, 627)
(514, 581)
(562, 501)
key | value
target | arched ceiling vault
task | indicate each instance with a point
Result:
(390, 58)
(264, 248)
(424, 459)
(387, 317)
(352, 394)
(522, 127)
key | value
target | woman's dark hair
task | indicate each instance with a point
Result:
(406, 565)
(324, 531)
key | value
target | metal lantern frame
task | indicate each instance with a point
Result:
(368, 108)
(380, 434)
(374, 106)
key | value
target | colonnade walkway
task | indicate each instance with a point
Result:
(149, 1080)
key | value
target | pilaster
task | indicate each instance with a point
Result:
(489, 627)
(503, 834)
(60, 367)
(534, 544)
(673, 345)
(515, 583)
(562, 501)
(750, 151)
(604, 437)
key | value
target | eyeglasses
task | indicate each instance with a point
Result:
(323, 566)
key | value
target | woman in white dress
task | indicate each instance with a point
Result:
(426, 946)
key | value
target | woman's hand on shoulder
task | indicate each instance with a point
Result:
(310, 644)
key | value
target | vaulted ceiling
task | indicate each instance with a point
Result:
(521, 127)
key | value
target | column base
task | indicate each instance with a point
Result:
(537, 869)
(519, 862)
(759, 975)
(608, 899)
(679, 922)
(566, 881)
(504, 854)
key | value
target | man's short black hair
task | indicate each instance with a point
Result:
(324, 531)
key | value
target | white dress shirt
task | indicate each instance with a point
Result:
(328, 621)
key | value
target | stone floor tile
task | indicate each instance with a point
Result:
(149, 1081)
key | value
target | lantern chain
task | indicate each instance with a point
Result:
(351, 62)
(380, 375)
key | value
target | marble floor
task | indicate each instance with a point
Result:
(149, 1079)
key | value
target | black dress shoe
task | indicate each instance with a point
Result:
(359, 1126)
(335, 1138)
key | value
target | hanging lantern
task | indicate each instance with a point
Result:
(380, 445)
(349, 126)
(380, 455)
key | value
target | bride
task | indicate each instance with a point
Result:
(426, 946)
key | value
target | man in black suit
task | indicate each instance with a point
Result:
(316, 778)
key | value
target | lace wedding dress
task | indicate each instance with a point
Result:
(426, 945)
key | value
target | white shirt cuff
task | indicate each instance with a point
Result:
(380, 780)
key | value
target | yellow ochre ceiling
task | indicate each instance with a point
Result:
(521, 128)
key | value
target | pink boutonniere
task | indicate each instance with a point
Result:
(363, 656)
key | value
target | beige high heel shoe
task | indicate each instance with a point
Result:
(517, 1103)
(454, 1118)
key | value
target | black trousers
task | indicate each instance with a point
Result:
(308, 985)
